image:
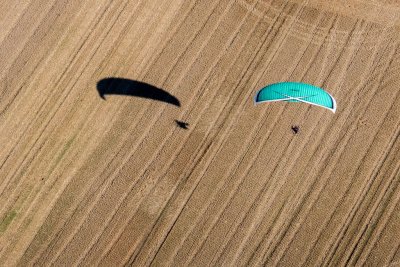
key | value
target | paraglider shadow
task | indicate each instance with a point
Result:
(121, 86)
(182, 124)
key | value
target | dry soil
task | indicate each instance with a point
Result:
(90, 181)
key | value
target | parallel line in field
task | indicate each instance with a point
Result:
(301, 30)
(38, 113)
(172, 132)
(211, 98)
(3, 47)
(293, 157)
(77, 133)
(390, 204)
(370, 180)
(61, 229)
(350, 185)
(7, 42)
(285, 229)
(6, 180)
(83, 200)
(106, 165)
(356, 205)
(236, 231)
(349, 133)
(278, 238)
(65, 96)
(274, 53)
(13, 8)
(45, 128)
(2, 185)
(241, 106)
(43, 145)
(362, 197)
(5, 185)
(24, 83)
(178, 216)
(374, 215)
(275, 168)
(346, 136)
(91, 114)
(395, 252)
(185, 202)
(143, 111)
(182, 75)
(152, 230)
(391, 194)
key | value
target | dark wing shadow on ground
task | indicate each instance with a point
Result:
(120, 86)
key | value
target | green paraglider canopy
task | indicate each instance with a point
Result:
(296, 92)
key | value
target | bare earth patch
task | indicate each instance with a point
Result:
(129, 136)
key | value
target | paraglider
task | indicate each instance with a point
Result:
(127, 87)
(296, 92)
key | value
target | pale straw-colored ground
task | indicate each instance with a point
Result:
(87, 181)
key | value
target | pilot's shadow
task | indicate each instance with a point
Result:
(121, 86)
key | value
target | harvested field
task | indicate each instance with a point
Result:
(198, 175)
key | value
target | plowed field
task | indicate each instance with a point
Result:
(207, 178)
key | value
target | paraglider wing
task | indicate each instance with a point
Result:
(296, 92)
